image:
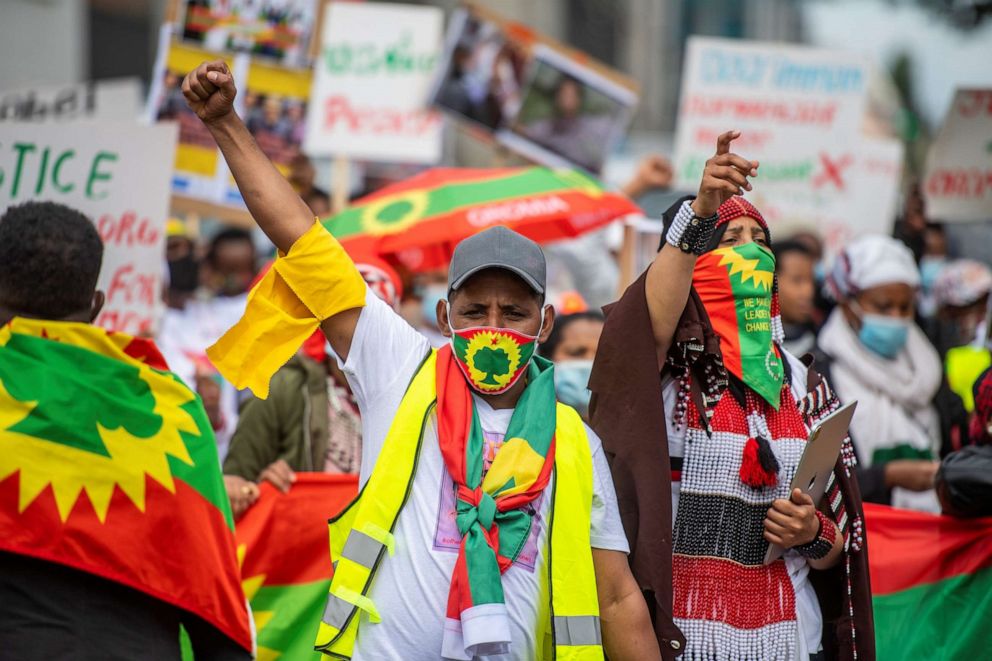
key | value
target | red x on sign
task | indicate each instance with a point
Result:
(832, 169)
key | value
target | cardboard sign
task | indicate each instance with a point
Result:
(116, 173)
(800, 114)
(105, 100)
(271, 100)
(872, 198)
(371, 80)
(551, 104)
(958, 184)
(277, 30)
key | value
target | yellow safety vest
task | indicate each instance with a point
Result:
(964, 365)
(361, 535)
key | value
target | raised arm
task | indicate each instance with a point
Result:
(275, 206)
(670, 275)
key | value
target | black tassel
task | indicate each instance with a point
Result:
(767, 458)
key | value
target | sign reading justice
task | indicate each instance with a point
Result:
(118, 175)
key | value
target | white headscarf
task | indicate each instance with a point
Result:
(894, 396)
(871, 261)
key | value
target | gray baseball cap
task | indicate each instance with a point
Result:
(498, 248)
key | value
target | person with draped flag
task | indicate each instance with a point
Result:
(114, 524)
(704, 416)
(486, 526)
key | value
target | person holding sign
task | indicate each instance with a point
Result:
(474, 477)
(705, 416)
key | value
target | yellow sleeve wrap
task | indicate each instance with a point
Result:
(315, 280)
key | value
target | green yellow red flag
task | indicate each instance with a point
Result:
(286, 567)
(108, 464)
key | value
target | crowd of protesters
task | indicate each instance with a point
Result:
(880, 318)
(678, 413)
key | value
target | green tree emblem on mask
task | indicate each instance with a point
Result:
(492, 363)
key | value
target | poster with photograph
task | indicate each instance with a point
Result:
(958, 183)
(198, 169)
(371, 80)
(280, 30)
(117, 173)
(482, 71)
(549, 103)
(568, 114)
(272, 100)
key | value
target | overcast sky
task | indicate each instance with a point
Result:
(943, 57)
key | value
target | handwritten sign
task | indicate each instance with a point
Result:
(800, 114)
(99, 100)
(117, 173)
(371, 81)
(958, 184)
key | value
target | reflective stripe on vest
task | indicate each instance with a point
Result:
(574, 601)
(357, 534)
(577, 630)
(361, 548)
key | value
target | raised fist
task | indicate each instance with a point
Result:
(209, 91)
(725, 175)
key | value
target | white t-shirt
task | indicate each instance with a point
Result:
(184, 335)
(411, 587)
(808, 614)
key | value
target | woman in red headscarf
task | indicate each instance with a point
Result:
(705, 416)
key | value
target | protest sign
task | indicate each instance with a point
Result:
(860, 195)
(271, 100)
(105, 100)
(117, 173)
(958, 184)
(371, 80)
(550, 103)
(800, 113)
(198, 169)
(280, 30)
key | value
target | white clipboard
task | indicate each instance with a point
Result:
(818, 460)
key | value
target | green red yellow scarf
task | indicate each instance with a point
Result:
(491, 512)
(737, 288)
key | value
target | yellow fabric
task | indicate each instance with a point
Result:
(388, 487)
(378, 506)
(573, 576)
(964, 365)
(315, 280)
(516, 460)
(360, 601)
(380, 535)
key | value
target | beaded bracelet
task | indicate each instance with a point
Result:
(690, 233)
(824, 541)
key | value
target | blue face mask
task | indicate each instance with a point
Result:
(885, 336)
(571, 378)
(820, 272)
(429, 298)
(930, 268)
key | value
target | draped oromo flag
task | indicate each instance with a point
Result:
(931, 580)
(286, 567)
(420, 220)
(108, 464)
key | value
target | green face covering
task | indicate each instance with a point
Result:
(737, 287)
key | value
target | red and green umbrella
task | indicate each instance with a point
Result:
(419, 221)
(931, 580)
